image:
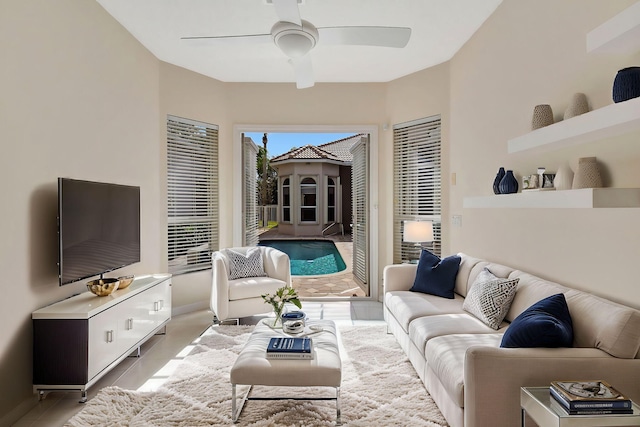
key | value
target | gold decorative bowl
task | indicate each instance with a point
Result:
(103, 287)
(125, 281)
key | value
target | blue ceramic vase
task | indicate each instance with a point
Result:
(496, 181)
(626, 85)
(508, 184)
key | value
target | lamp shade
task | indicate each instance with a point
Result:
(418, 231)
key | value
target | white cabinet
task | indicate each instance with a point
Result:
(78, 340)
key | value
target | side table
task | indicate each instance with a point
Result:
(535, 402)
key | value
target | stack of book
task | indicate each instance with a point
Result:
(588, 398)
(290, 348)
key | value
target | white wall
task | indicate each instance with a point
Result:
(79, 99)
(528, 53)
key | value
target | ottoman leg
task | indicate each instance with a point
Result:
(235, 409)
(338, 421)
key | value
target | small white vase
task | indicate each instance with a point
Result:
(564, 178)
(588, 174)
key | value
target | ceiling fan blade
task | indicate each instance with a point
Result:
(287, 11)
(365, 36)
(303, 70)
(227, 40)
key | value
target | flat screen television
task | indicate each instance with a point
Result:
(98, 228)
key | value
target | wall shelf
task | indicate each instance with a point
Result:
(609, 121)
(620, 34)
(585, 198)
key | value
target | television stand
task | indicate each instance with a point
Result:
(78, 340)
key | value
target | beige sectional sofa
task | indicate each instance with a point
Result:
(474, 381)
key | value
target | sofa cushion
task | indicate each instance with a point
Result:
(604, 324)
(253, 287)
(406, 306)
(423, 329)
(546, 323)
(245, 265)
(436, 276)
(531, 289)
(446, 356)
(490, 298)
(467, 264)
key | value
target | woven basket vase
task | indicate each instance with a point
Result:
(626, 85)
(588, 174)
(542, 116)
(578, 105)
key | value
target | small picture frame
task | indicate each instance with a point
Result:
(530, 182)
(547, 180)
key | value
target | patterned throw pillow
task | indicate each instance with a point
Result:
(241, 265)
(490, 298)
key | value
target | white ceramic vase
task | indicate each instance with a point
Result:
(588, 174)
(564, 178)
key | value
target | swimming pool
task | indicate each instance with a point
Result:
(310, 257)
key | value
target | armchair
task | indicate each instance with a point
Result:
(241, 297)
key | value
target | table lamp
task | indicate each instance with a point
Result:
(418, 232)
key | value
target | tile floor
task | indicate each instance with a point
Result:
(163, 351)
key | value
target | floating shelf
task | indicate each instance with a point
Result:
(605, 122)
(620, 34)
(585, 198)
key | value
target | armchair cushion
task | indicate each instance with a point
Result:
(249, 265)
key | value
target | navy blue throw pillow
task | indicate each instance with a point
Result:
(436, 276)
(546, 323)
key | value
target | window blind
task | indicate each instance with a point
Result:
(192, 194)
(250, 193)
(360, 203)
(417, 182)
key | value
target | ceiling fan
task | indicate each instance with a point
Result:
(296, 37)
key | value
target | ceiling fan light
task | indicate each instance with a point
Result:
(295, 45)
(295, 41)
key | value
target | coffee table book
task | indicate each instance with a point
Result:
(561, 409)
(290, 348)
(588, 395)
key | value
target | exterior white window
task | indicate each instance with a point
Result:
(308, 200)
(416, 182)
(192, 194)
(286, 200)
(331, 199)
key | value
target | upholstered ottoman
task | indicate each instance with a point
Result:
(253, 368)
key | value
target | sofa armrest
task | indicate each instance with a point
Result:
(399, 277)
(493, 377)
(220, 287)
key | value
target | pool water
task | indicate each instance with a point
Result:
(310, 257)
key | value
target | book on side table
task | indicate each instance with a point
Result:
(589, 398)
(290, 348)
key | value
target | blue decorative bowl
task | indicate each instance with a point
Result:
(293, 315)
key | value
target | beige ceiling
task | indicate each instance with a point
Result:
(439, 29)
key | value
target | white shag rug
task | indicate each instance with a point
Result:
(379, 388)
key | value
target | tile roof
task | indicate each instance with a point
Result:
(335, 150)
